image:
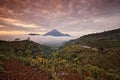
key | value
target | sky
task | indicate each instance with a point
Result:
(75, 17)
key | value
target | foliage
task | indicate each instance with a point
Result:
(88, 63)
(20, 53)
(1, 69)
(88, 78)
(96, 72)
(107, 39)
(1, 66)
(23, 46)
(28, 52)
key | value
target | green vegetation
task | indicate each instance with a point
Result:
(107, 39)
(24, 47)
(1, 67)
(99, 63)
(2, 57)
(88, 78)
(73, 59)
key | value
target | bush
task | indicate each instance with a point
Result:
(2, 57)
(113, 76)
(20, 53)
(1, 68)
(28, 52)
(88, 78)
(96, 72)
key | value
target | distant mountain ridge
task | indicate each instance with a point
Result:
(56, 33)
(34, 34)
(106, 39)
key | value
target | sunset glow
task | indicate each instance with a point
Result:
(76, 16)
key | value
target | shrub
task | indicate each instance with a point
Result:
(1, 69)
(2, 57)
(20, 53)
(96, 72)
(88, 78)
(113, 76)
(28, 52)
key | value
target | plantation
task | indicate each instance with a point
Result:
(71, 62)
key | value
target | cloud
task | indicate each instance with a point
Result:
(12, 32)
(8, 24)
(1, 26)
(81, 16)
(18, 23)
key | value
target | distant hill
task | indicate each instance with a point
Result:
(106, 39)
(56, 33)
(33, 34)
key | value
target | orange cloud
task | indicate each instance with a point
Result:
(19, 23)
(17, 32)
(12, 32)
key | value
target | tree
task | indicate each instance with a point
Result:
(20, 53)
(96, 72)
(28, 52)
(29, 46)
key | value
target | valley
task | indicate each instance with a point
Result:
(28, 60)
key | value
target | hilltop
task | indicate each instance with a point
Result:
(104, 39)
(24, 45)
(56, 33)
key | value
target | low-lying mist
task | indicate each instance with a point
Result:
(44, 40)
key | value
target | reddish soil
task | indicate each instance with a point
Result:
(15, 70)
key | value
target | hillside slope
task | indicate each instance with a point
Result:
(105, 39)
(17, 46)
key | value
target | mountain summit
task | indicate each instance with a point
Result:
(56, 33)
